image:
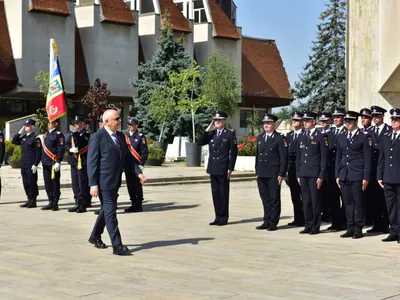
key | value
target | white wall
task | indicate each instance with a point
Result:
(149, 32)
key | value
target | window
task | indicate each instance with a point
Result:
(246, 113)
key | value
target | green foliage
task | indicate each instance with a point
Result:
(323, 81)
(223, 83)
(284, 113)
(9, 146)
(149, 141)
(254, 122)
(247, 146)
(43, 81)
(41, 119)
(17, 155)
(155, 152)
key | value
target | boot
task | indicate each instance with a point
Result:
(75, 207)
(26, 202)
(88, 203)
(81, 206)
(55, 205)
(48, 206)
(32, 204)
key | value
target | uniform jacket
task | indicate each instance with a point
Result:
(31, 149)
(271, 155)
(354, 157)
(292, 142)
(222, 150)
(2, 148)
(81, 140)
(376, 142)
(138, 142)
(312, 155)
(55, 142)
(105, 163)
(389, 160)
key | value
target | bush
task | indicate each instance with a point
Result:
(247, 146)
(17, 156)
(9, 146)
(149, 140)
(155, 152)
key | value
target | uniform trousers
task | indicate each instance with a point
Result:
(220, 194)
(295, 193)
(380, 212)
(52, 186)
(29, 180)
(353, 199)
(337, 208)
(80, 183)
(270, 193)
(392, 195)
(311, 203)
(135, 188)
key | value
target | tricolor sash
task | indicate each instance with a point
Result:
(131, 149)
(52, 156)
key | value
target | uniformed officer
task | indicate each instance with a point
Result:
(353, 173)
(86, 124)
(311, 164)
(380, 215)
(2, 153)
(77, 146)
(389, 174)
(271, 166)
(295, 191)
(53, 152)
(221, 163)
(31, 152)
(136, 156)
(366, 119)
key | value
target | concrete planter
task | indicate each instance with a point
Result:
(15, 164)
(243, 163)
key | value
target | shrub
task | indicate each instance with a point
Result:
(9, 146)
(155, 152)
(247, 146)
(17, 156)
(149, 140)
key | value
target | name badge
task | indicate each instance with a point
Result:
(225, 140)
(313, 143)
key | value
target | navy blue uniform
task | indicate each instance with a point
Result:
(223, 154)
(353, 165)
(389, 172)
(135, 189)
(54, 141)
(271, 162)
(31, 152)
(311, 164)
(2, 152)
(375, 192)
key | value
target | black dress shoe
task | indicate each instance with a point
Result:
(73, 209)
(26, 203)
(48, 206)
(55, 205)
(391, 238)
(263, 226)
(120, 250)
(347, 235)
(97, 242)
(358, 235)
(97, 211)
(305, 231)
(313, 232)
(213, 223)
(134, 209)
(32, 204)
(272, 228)
(222, 223)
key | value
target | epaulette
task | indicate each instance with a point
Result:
(58, 132)
(365, 132)
(140, 134)
(387, 133)
(231, 129)
(87, 131)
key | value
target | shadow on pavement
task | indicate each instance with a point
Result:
(153, 207)
(253, 220)
(159, 244)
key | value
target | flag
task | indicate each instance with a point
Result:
(55, 104)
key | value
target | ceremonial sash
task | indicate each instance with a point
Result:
(52, 156)
(131, 149)
(78, 155)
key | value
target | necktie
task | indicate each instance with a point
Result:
(350, 136)
(218, 133)
(377, 131)
(337, 132)
(394, 138)
(116, 140)
(295, 136)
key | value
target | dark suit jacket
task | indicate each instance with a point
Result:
(105, 162)
(271, 156)
(354, 157)
(389, 160)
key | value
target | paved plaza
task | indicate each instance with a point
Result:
(176, 255)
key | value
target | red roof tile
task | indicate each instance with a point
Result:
(178, 21)
(56, 7)
(263, 73)
(81, 75)
(224, 27)
(8, 73)
(116, 11)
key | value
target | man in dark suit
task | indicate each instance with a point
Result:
(221, 163)
(136, 157)
(389, 174)
(106, 159)
(31, 151)
(353, 172)
(380, 214)
(311, 164)
(271, 166)
(295, 190)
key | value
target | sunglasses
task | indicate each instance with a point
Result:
(116, 119)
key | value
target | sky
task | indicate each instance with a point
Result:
(291, 23)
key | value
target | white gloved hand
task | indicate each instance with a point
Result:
(21, 131)
(34, 169)
(57, 167)
(141, 168)
(72, 128)
(74, 150)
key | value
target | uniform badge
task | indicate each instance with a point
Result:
(313, 143)
(235, 141)
(370, 142)
(326, 141)
(61, 141)
(39, 144)
(1, 139)
(225, 140)
(285, 143)
(144, 141)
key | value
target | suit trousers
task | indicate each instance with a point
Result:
(270, 193)
(220, 194)
(52, 186)
(295, 193)
(108, 218)
(135, 188)
(392, 195)
(311, 203)
(380, 212)
(353, 199)
(29, 181)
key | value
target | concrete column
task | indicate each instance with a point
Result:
(191, 10)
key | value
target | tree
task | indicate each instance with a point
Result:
(43, 81)
(222, 83)
(284, 113)
(170, 56)
(97, 99)
(254, 122)
(323, 80)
